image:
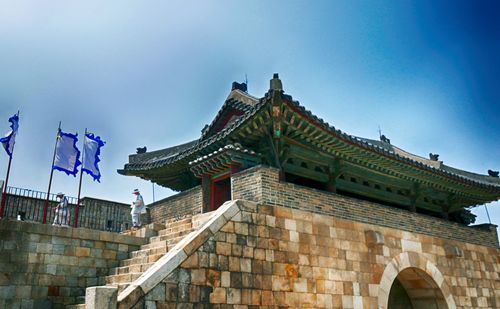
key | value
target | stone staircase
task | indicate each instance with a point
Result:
(140, 260)
(162, 237)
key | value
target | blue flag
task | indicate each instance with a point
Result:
(10, 138)
(67, 155)
(92, 150)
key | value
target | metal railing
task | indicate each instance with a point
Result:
(28, 205)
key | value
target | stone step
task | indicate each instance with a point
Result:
(175, 224)
(122, 278)
(78, 306)
(154, 245)
(146, 252)
(157, 226)
(136, 268)
(170, 235)
(200, 219)
(170, 230)
(121, 286)
(141, 259)
(170, 221)
(172, 241)
(145, 231)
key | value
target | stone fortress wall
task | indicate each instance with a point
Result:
(262, 185)
(251, 255)
(275, 244)
(42, 266)
(282, 245)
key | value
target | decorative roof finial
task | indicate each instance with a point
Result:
(275, 83)
(493, 173)
(238, 86)
(385, 139)
(433, 156)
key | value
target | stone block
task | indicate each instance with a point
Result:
(198, 276)
(44, 248)
(452, 251)
(37, 292)
(230, 209)
(157, 293)
(109, 254)
(225, 279)
(150, 304)
(410, 245)
(198, 238)
(233, 296)
(374, 238)
(128, 298)
(216, 223)
(101, 297)
(248, 206)
(7, 292)
(95, 253)
(191, 261)
(241, 228)
(246, 265)
(223, 248)
(218, 296)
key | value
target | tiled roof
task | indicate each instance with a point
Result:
(236, 147)
(399, 154)
(230, 104)
(155, 159)
(166, 156)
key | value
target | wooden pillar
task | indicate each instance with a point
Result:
(445, 209)
(205, 193)
(413, 197)
(333, 174)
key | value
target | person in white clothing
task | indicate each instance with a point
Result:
(62, 212)
(138, 208)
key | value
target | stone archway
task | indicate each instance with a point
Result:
(412, 281)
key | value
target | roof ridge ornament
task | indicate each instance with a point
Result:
(384, 139)
(239, 86)
(493, 173)
(275, 83)
(433, 156)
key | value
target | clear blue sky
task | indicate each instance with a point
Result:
(153, 73)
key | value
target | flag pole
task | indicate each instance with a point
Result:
(4, 192)
(487, 213)
(46, 207)
(81, 176)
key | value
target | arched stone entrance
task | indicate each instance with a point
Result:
(412, 281)
(414, 289)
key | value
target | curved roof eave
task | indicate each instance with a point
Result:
(397, 153)
(192, 147)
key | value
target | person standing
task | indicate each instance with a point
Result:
(62, 212)
(138, 208)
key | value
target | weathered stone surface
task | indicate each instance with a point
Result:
(51, 265)
(101, 297)
(132, 295)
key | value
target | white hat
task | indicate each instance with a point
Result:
(135, 191)
(60, 194)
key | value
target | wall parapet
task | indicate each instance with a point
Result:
(93, 213)
(186, 203)
(261, 184)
